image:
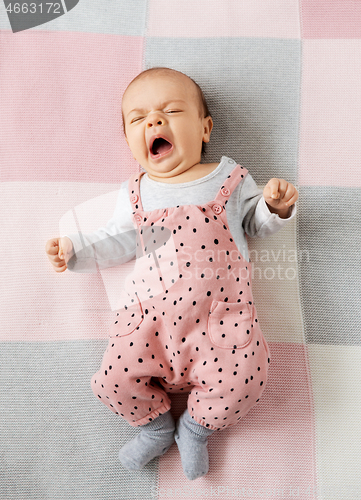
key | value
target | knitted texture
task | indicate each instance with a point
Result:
(282, 82)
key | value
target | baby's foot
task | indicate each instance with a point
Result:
(154, 440)
(192, 440)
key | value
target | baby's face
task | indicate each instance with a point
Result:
(163, 124)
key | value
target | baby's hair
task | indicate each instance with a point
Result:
(203, 106)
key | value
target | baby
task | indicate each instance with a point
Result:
(187, 320)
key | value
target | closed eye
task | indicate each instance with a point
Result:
(137, 119)
(171, 111)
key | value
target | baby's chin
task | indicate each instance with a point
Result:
(166, 170)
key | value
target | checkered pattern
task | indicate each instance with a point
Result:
(282, 78)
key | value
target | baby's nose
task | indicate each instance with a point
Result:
(154, 121)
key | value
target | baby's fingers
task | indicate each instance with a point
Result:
(61, 251)
(52, 251)
(291, 195)
(65, 248)
(273, 187)
(51, 247)
(60, 267)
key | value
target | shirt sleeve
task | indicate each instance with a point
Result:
(108, 246)
(257, 219)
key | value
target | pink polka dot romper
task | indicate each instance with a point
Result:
(188, 321)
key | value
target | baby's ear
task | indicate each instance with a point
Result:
(207, 128)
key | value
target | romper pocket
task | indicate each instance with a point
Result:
(127, 318)
(229, 324)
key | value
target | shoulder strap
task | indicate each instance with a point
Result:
(237, 175)
(134, 191)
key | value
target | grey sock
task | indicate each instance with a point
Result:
(192, 440)
(153, 440)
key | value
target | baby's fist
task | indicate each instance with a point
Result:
(59, 251)
(280, 195)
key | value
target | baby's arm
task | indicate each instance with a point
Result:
(108, 246)
(256, 216)
(280, 195)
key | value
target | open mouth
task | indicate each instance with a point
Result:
(159, 147)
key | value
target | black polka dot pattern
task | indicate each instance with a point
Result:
(187, 321)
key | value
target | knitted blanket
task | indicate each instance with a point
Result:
(282, 79)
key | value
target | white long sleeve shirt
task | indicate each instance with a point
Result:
(115, 243)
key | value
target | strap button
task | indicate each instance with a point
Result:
(225, 191)
(138, 218)
(134, 198)
(217, 209)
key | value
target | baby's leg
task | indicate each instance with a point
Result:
(143, 404)
(192, 440)
(123, 384)
(154, 440)
(216, 405)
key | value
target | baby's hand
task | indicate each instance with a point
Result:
(59, 251)
(280, 195)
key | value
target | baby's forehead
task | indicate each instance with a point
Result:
(179, 85)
